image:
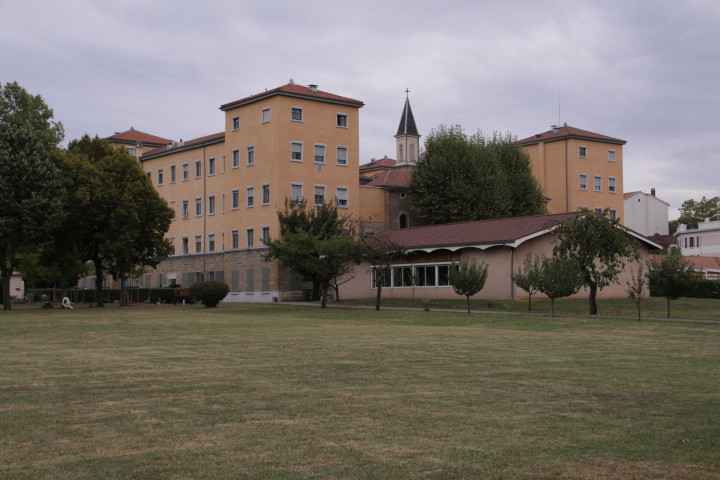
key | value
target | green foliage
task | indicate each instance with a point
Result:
(462, 178)
(20, 109)
(671, 276)
(209, 293)
(558, 277)
(468, 278)
(692, 211)
(636, 286)
(527, 278)
(381, 252)
(598, 245)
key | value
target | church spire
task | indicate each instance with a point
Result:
(407, 121)
(407, 139)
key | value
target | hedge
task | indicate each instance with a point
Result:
(702, 288)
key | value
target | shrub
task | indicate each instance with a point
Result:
(209, 293)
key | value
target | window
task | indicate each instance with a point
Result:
(185, 209)
(131, 151)
(296, 114)
(250, 237)
(251, 155)
(598, 210)
(250, 280)
(149, 174)
(235, 199)
(401, 158)
(319, 194)
(235, 123)
(211, 242)
(403, 221)
(266, 115)
(296, 151)
(613, 214)
(211, 166)
(172, 173)
(582, 151)
(198, 206)
(236, 158)
(235, 239)
(198, 168)
(611, 184)
(250, 197)
(341, 156)
(185, 245)
(186, 171)
(296, 192)
(198, 244)
(211, 205)
(342, 197)
(172, 242)
(598, 183)
(611, 155)
(319, 153)
(342, 120)
(583, 181)
(160, 176)
(265, 235)
(265, 194)
(692, 242)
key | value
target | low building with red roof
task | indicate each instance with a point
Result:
(137, 143)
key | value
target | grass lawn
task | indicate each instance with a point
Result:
(283, 392)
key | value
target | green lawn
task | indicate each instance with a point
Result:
(287, 392)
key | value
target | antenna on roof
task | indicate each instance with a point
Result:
(559, 122)
(291, 82)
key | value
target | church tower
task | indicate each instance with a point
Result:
(407, 139)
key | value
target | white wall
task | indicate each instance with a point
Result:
(646, 214)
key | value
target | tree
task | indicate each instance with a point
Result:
(557, 278)
(381, 252)
(468, 278)
(462, 178)
(671, 276)
(210, 293)
(692, 211)
(316, 243)
(636, 286)
(527, 278)
(19, 108)
(598, 245)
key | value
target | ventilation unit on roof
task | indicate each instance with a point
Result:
(291, 82)
(313, 88)
(555, 129)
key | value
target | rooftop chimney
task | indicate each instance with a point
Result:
(652, 192)
(313, 88)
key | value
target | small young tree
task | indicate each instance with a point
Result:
(636, 286)
(671, 276)
(558, 278)
(527, 277)
(468, 278)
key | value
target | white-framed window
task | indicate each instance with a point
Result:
(185, 208)
(211, 242)
(341, 120)
(251, 155)
(211, 205)
(296, 192)
(250, 237)
(296, 151)
(236, 158)
(583, 181)
(342, 197)
(198, 206)
(341, 155)
(198, 244)
(319, 194)
(265, 235)
(296, 114)
(211, 166)
(222, 207)
(265, 114)
(235, 235)
(172, 173)
(401, 276)
(692, 242)
(598, 210)
(236, 123)
(131, 151)
(613, 214)
(611, 155)
(582, 152)
(250, 197)
(149, 174)
(266, 194)
(185, 171)
(174, 248)
(171, 204)
(198, 168)
(160, 175)
(598, 183)
(319, 153)
(185, 248)
(611, 185)
(235, 198)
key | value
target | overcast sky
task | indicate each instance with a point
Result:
(646, 72)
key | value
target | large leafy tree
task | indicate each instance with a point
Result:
(468, 277)
(670, 275)
(692, 211)
(462, 178)
(19, 108)
(599, 247)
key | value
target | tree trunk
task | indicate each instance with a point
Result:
(468, 302)
(98, 282)
(315, 290)
(668, 309)
(638, 307)
(552, 307)
(377, 296)
(593, 295)
(6, 291)
(123, 300)
(336, 289)
(323, 297)
(529, 302)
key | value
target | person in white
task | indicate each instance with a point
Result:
(67, 304)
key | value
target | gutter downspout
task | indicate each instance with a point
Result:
(512, 268)
(567, 191)
(204, 203)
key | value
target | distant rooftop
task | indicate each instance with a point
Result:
(187, 145)
(384, 162)
(310, 92)
(133, 136)
(566, 132)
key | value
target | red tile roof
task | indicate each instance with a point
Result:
(503, 230)
(194, 143)
(704, 262)
(629, 194)
(294, 90)
(134, 136)
(561, 133)
(390, 178)
(384, 162)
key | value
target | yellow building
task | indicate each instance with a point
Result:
(137, 143)
(226, 189)
(577, 169)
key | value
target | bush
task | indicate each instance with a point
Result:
(209, 293)
(701, 288)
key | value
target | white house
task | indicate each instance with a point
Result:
(645, 213)
(701, 239)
